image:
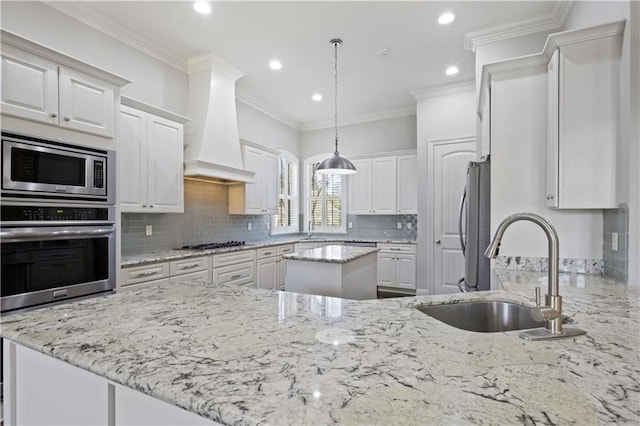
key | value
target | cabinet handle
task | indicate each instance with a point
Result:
(549, 197)
(266, 253)
(67, 119)
(53, 115)
(438, 241)
(146, 274)
(151, 205)
(193, 265)
(395, 249)
(235, 277)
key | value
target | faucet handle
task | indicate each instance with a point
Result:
(543, 313)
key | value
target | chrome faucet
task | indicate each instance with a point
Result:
(551, 312)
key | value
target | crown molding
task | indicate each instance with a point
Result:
(263, 107)
(359, 119)
(210, 62)
(552, 21)
(120, 33)
(444, 90)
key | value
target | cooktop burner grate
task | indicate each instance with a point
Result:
(209, 246)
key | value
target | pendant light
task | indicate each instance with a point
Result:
(336, 164)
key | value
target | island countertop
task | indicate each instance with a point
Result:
(331, 254)
(249, 356)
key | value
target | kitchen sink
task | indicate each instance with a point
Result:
(485, 316)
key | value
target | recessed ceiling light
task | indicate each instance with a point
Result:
(316, 97)
(202, 7)
(452, 70)
(446, 18)
(275, 64)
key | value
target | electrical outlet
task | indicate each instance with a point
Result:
(350, 225)
(614, 241)
(399, 225)
(148, 230)
(249, 226)
(268, 225)
(409, 225)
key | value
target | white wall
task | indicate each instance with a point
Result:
(259, 128)
(392, 134)
(440, 117)
(153, 81)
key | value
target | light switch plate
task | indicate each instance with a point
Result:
(350, 225)
(399, 225)
(148, 230)
(614, 241)
(249, 226)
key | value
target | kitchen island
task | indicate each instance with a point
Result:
(334, 270)
(249, 356)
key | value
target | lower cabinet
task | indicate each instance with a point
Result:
(236, 268)
(397, 266)
(271, 267)
(191, 269)
(40, 389)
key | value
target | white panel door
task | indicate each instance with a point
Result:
(86, 103)
(29, 86)
(406, 271)
(132, 159)
(383, 185)
(360, 188)
(449, 168)
(386, 269)
(165, 157)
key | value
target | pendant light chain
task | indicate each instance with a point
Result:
(336, 43)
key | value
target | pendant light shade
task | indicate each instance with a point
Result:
(336, 164)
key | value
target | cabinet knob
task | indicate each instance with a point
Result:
(53, 115)
(144, 205)
(438, 241)
(67, 119)
(549, 197)
(151, 206)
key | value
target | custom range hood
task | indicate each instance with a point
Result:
(213, 151)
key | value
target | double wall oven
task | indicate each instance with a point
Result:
(57, 228)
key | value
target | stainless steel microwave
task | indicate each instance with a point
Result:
(41, 169)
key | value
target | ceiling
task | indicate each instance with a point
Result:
(247, 35)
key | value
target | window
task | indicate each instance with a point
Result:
(285, 221)
(324, 198)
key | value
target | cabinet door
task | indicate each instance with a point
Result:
(29, 86)
(86, 103)
(281, 274)
(386, 269)
(268, 273)
(132, 160)
(383, 186)
(406, 271)
(269, 181)
(164, 159)
(360, 188)
(253, 192)
(407, 188)
(552, 131)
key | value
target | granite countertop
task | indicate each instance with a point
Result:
(130, 261)
(252, 356)
(331, 254)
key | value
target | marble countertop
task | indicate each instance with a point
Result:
(251, 356)
(331, 254)
(177, 254)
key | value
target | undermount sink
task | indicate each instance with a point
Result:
(485, 316)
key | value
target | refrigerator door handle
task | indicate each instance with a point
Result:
(463, 200)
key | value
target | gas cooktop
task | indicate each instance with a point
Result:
(209, 246)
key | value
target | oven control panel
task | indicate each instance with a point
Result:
(52, 213)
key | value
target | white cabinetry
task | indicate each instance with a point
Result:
(582, 116)
(271, 267)
(191, 269)
(47, 87)
(150, 155)
(236, 268)
(407, 184)
(260, 197)
(397, 266)
(373, 189)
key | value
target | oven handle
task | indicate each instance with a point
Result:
(59, 233)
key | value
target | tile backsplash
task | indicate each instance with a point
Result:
(206, 219)
(616, 261)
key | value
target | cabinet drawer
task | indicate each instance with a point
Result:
(185, 266)
(287, 248)
(225, 259)
(131, 287)
(140, 274)
(193, 276)
(267, 252)
(243, 273)
(397, 248)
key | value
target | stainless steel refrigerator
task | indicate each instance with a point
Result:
(475, 227)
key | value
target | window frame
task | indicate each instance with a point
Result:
(342, 229)
(294, 198)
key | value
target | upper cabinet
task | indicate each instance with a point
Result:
(384, 186)
(150, 159)
(260, 197)
(44, 86)
(582, 128)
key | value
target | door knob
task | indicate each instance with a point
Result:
(438, 241)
